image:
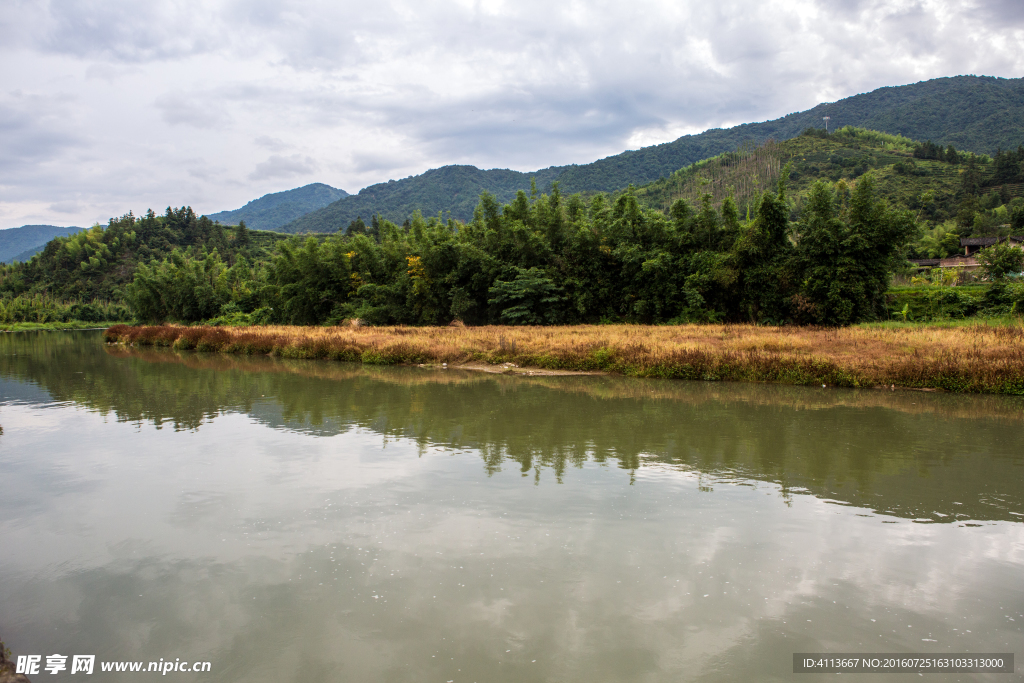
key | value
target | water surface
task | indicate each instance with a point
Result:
(317, 521)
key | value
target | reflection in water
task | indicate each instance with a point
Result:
(319, 521)
(910, 454)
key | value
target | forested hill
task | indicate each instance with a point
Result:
(972, 195)
(19, 244)
(454, 189)
(975, 113)
(271, 211)
(97, 263)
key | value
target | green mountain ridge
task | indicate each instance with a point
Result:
(976, 113)
(271, 211)
(21, 244)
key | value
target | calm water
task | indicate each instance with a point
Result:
(325, 522)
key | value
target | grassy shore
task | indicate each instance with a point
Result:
(70, 325)
(969, 359)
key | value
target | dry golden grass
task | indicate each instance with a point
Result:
(965, 359)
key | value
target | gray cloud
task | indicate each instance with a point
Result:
(277, 167)
(1002, 11)
(186, 109)
(30, 125)
(126, 31)
(67, 206)
(360, 92)
(271, 143)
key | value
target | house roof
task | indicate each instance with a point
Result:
(924, 261)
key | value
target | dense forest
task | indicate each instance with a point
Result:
(82, 275)
(808, 230)
(545, 259)
(951, 193)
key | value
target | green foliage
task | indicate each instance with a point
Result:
(939, 242)
(180, 288)
(529, 299)
(923, 304)
(1001, 259)
(99, 263)
(847, 247)
(43, 309)
(544, 259)
(21, 244)
(272, 211)
(242, 237)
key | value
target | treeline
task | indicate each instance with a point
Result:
(929, 150)
(547, 259)
(97, 264)
(44, 309)
(1008, 167)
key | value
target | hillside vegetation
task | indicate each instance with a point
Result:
(951, 194)
(803, 231)
(976, 113)
(545, 259)
(271, 211)
(806, 230)
(452, 191)
(94, 266)
(20, 244)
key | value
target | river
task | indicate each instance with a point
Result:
(319, 521)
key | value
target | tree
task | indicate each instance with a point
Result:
(1001, 259)
(242, 237)
(183, 287)
(763, 253)
(531, 298)
(846, 253)
(357, 227)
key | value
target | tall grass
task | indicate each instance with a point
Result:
(969, 359)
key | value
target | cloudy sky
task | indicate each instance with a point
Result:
(111, 105)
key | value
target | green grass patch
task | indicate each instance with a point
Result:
(70, 325)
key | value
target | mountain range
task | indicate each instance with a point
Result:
(271, 211)
(975, 113)
(20, 244)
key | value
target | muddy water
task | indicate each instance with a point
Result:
(327, 522)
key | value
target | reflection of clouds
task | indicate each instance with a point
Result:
(198, 507)
(261, 549)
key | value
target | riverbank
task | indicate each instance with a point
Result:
(968, 359)
(70, 325)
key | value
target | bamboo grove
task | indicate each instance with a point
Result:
(547, 259)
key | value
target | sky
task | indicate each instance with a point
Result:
(108, 106)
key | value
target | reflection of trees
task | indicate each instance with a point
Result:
(910, 454)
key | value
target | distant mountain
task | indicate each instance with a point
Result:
(454, 189)
(976, 113)
(271, 211)
(20, 244)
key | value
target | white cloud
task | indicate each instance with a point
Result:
(123, 105)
